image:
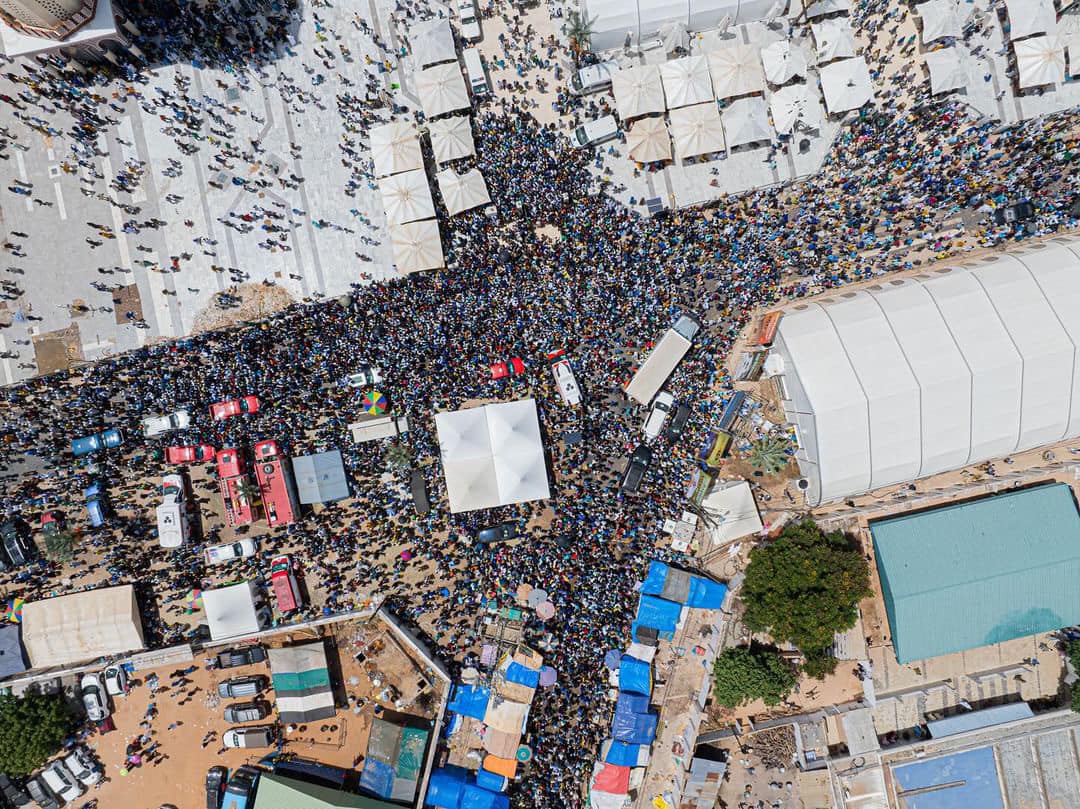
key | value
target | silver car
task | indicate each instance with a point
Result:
(61, 782)
(94, 698)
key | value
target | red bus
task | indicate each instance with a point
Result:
(277, 490)
(283, 582)
(236, 488)
(767, 332)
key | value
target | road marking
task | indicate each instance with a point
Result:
(60, 200)
(52, 155)
(118, 222)
(22, 176)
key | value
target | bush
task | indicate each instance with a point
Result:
(745, 673)
(32, 728)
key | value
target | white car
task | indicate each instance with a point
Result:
(61, 782)
(661, 409)
(595, 132)
(368, 375)
(241, 549)
(156, 425)
(94, 697)
(116, 682)
(470, 25)
(84, 768)
(564, 377)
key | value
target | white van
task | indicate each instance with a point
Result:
(592, 78)
(594, 132)
(172, 518)
(61, 782)
(470, 25)
(474, 67)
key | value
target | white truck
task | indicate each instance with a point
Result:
(156, 425)
(653, 373)
(172, 518)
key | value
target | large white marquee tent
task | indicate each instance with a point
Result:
(917, 376)
(746, 120)
(1027, 17)
(845, 85)
(736, 70)
(947, 70)
(432, 42)
(462, 192)
(647, 140)
(406, 197)
(417, 246)
(612, 21)
(697, 130)
(395, 147)
(833, 39)
(1039, 60)
(795, 105)
(442, 89)
(84, 626)
(940, 19)
(686, 81)
(451, 138)
(783, 61)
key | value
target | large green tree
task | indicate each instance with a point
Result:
(745, 673)
(32, 728)
(805, 587)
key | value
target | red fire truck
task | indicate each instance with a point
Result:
(236, 489)
(276, 486)
(286, 589)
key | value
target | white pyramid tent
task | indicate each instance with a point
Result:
(833, 39)
(638, 91)
(746, 120)
(940, 19)
(648, 140)
(442, 89)
(845, 85)
(462, 192)
(736, 70)
(395, 147)
(417, 246)
(675, 36)
(432, 42)
(795, 105)
(1027, 17)
(947, 70)
(782, 61)
(1039, 61)
(697, 130)
(686, 81)
(406, 197)
(451, 138)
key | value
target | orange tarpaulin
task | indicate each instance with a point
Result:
(500, 766)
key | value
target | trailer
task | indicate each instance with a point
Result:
(656, 369)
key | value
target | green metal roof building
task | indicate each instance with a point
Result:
(981, 572)
(275, 792)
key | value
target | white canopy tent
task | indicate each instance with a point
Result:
(451, 138)
(736, 70)
(80, 627)
(697, 130)
(1039, 60)
(674, 36)
(746, 120)
(638, 91)
(782, 61)
(432, 42)
(462, 192)
(823, 7)
(686, 81)
(833, 39)
(947, 70)
(1027, 17)
(732, 511)
(492, 455)
(795, 105)
(845, 85)
(648, 140)
(406, 197)
(1072, 46)
(615, 21)
(417, 246)
(233, 611)
(442, 89)
(395, 147)
(940, 19)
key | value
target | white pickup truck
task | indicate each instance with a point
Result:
(179, 419)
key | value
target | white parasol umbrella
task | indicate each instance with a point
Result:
(417, 246)
(940, 18)
(638, 91)
(1027, 17)
(406, 197)
(674, 36)
(648, 140)
(462, 192)
(746, 120)
(947, 71)
(845, 85)
(736, 70)
(823, 7)
(697, 130)
(686, 81)
(395, 147)
(451, 138)
(833, 40)
(795, 105)
(442, 89)
(782, 61)
(432, 42)
(1039, 60)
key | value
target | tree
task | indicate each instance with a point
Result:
(246, 490)
(60, 547)
(818, 662)
(398, 458)
(579, 31)
(32, 728)
(769, 454)
(805, 587)
(745, 673)
(1073, 650)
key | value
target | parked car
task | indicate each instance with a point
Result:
(364, 376)
(252, 711)
(1016, 212)
(198, 453)
(94, 697)
(502, 532)
(106, 439)
(41, 794)
(251, 736)
(220, 411)
(470, 25)
(677, 424)
(172, 513)
(19, 550)
(179, 419)
(215, 786)
(51, 523)
(595, 132)
(83, 767)
(12, 794)
(661, 409)
(592, 78)
(636, 467)
(250, 686)
(116, 681)
(564, 377)
(418, 489)
(511, 367)
(241, 549)
(241, 656)
(95, 504)
(61, 783)
(242, 784)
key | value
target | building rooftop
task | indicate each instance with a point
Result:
(958, 781)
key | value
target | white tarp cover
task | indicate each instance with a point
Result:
(462, 192)
(940, 18)
(638, 91)
(697, 130)
(782, 61)
(417, 246)
(675, 36)
(1027, 17)
(947, 71)
(406, 197)
(432, 42)
(1072, 45)
(736, 70)
(451, 138)
(80, 627)
(230, 611)
(648, 140)
(1039, 61)
(442, 89)
(846, 85)
(686, 81)
(732, 511)
(795, 105)
(746, 120)
(613, 20)
(915, 377)
(823, 7)
(395, 147)
(492, 455)
(833, 39)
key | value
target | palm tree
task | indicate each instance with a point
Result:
(246, 490)
(398, 458)
(60, 547)
(769, 454)
(579, 30)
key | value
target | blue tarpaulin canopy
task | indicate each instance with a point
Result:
(658, 613)
(632, 703)
(633, 728)
(522, 675)
(491, 781)
(664, 581)
(474, 797)
(377, 777)
(621, 753)
(635, 675)
(705, 594)
(470, 700)
(445, 787)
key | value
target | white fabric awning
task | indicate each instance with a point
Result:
(736, 70)
(732, 511)
(442, 89)
(782, 61)
(833, 39)
(686, 81)
(947, 70)
(1072, 46)
(845, 85)
(746, 120)
(81, 627)
(648, 140)
(432, 42)
(1039, 61)
(462, 192)
(1027, 17)
(395, 147)
(823, 7)
(795, 105)
(230, 611)
(451, 138)
(697, 130)
(417, 246)
(675, 36)
(638, 91)
(940, 19)
(406, 197)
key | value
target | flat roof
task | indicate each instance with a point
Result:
(963, 780)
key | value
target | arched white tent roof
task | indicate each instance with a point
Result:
(940, 18)
(913, 377)
(686, 81)
(80, 627)
(638, 91)
(613, 20)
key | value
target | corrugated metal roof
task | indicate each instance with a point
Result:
(320, 478)
(981, 572)
(975, 720)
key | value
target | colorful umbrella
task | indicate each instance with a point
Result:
(374, 403)
(545, 610)
(524, 753)
(194, 600)
(14, 610)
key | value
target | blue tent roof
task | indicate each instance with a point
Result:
(470, 700)
(705, 594)
(632, 703)
(654, 579)
(622, 754)
(445, 787)
(474, 797)
(658, 613)
(635, 675)
(634, 728)
(522, 675)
